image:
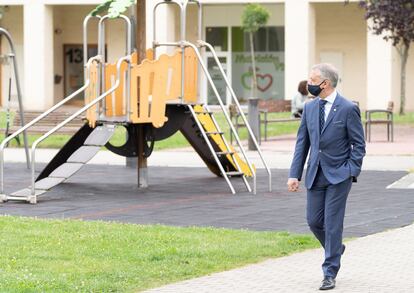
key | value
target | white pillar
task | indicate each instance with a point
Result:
(38, 56)
(299, 43)
(167, 25)
(379, 72)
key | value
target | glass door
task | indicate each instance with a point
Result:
(218, 80)
(218, 37)
(73, 77)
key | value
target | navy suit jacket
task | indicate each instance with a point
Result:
(339, 149)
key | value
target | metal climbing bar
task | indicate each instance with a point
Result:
(19, 90)
(108, 73)
(34, 121)
(73, 116)
(236, 101)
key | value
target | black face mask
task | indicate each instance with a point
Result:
(315, 90)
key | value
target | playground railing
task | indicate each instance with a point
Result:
(236, 101)
(76, 114)
(223, 108)
(40, 117)
(4, 32)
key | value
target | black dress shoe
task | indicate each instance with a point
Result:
(327, 284)
(343, 249)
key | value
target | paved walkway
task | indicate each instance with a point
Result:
(189, 158)
(381, 262)
(403, 144)
(278, 152)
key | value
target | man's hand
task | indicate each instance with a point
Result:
(293, 184)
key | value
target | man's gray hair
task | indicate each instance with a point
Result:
(327, 71)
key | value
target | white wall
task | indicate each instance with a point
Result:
(167, 25)
(38, 52)
(341, 29)
(299, 39)
(230, 15)
(69, 20)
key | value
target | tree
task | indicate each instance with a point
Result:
(394, 19)
(113, 7)
(254, 17)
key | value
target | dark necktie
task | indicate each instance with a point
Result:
(321, 114)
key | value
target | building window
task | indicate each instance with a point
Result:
(266, 39)
(217, 37)
(73, 75)
(269, 53)
(218, 80)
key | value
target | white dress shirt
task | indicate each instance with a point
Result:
(330, 100)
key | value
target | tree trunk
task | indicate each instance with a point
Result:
(141, 30)
(404, 58)
(142, 168)
(254, 86)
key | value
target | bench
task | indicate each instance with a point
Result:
(266, 121)
(234, 117)
(388, 120)
(265, 107)
(46, 123)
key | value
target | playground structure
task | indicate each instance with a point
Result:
(159, 93)
(12, 57)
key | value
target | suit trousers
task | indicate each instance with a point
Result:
(325, 213)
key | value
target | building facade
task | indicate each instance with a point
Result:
(299, 33)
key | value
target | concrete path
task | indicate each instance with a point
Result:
(189, 158)
(403, 144)
(381, 262)
(278, 152)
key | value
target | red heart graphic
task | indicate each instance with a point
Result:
(269, 83)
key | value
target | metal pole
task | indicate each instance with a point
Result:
(31, 123)
(154, 21)
(101, 36)
(141, 160)
(85, 56)
(200, 35)
(128, 24)
(6, 133)
(183, 16)
(236, 101)
(253, 121)
(19, 92)
(102, 52)
(211, 82)
(76, 114)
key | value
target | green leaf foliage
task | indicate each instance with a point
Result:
(254, 16)
(101, 8)
(393, 18)
(113, 8)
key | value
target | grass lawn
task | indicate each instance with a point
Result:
(76, 256)
(175, 141)
(178, 140)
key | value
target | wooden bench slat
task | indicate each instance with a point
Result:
(281, 120)
(47, 123)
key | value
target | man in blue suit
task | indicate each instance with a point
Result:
(331, 132)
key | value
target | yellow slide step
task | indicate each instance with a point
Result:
(215, 134)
